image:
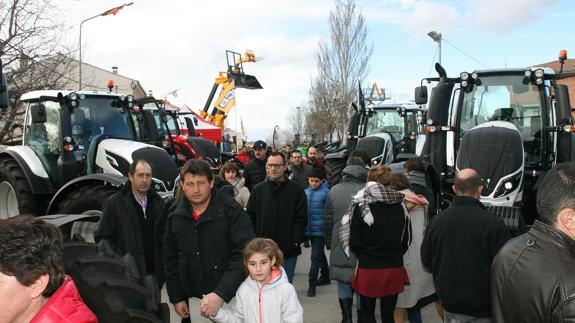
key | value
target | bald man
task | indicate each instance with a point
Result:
(458, 248)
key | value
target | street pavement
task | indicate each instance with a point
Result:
(324, 307)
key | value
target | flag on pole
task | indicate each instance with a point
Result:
(243, 132)
(113, 11)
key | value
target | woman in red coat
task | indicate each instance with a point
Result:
(33, 287)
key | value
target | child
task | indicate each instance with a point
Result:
(266, 295)
(316, 195)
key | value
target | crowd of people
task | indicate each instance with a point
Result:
(386, 239)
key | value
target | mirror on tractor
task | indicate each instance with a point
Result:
(38, 113)
(563, 104)
(421, 95)
(163, 114)
(190, 126)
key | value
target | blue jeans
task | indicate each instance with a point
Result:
(289, 267)
(318, 260)
(449, 317)
(345, 291)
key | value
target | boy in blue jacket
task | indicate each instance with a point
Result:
(316, 196)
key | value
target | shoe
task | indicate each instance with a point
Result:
(346, 305)
(311, 291)
(322, 281)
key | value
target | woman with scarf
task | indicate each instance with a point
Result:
(421, 290)
(376, 230)
(231, 173)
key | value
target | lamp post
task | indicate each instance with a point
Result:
(436, 38)
(112, 11)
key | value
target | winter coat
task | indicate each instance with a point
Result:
(315, 207)
(338, 201)
(278, 210)
(241, 193)
(458, 248)
(382, 244)
(300, 174)
(243, 157)
(254, 172)
(120, 225)
(65, 306)
(275, 302)
(532, 278)
(421, 282)
(205, 256)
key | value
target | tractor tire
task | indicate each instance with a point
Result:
(334, 170)
(86, 199)
(15, 194)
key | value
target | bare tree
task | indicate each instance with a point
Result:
(32, 50)
(341, 63)
(296, 119)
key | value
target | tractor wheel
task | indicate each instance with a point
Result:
(15, 194)
(334, 169)
(86, 199)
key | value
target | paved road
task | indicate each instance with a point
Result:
(324, 308)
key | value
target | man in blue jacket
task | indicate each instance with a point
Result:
(316, 193)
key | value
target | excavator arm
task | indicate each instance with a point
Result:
(233, 78)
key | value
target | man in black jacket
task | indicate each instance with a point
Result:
(206, 232)
(133, 221)
(532, 277)
(300, 171)
(458, 248)
(278, 210)
(255, 170)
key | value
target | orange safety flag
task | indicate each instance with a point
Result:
(112, 11)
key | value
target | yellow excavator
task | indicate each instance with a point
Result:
(231, 79)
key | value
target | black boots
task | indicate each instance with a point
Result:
(346, 305)
(323, 280)
(311, 290)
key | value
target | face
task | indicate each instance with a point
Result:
(260, 267)
(230, 175)
(311, 153)
(314, 182)
(141, 179)
(197, 188)
(259, 153)
(296, 159)
(16, 300)
(275, 168)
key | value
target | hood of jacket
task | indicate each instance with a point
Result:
(417, 177)
(279, 277)
(355, 173)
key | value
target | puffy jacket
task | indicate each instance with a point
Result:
(338, 201)
(205, 256)
(254, 172)
(274, 302)
(65, 306)
(532, 278)
(278, 210)
(315, 206)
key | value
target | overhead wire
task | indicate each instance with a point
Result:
(432, 62)
(464, 53)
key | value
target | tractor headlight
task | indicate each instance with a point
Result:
(539, 73)
(429, 122)
(73, 96)
(508, 184)
(474, 76)
(527, 73)
(464, 83)
(464, 76)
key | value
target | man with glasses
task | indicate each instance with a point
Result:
(278, 210)
(255, 170)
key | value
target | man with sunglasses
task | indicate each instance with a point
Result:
(278, 210)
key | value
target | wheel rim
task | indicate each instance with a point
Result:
(8, 201)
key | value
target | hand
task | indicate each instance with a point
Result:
(182, 309)
(211, 304)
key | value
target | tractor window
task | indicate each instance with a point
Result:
(44, 137)
(505, 98)
(104, 118)
(386, 121)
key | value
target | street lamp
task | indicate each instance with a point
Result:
(436, 38)
(112, 11)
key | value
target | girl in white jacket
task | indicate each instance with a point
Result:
(265, 296)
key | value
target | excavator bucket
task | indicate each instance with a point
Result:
(246, 81)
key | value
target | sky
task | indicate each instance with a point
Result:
(180, 45)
